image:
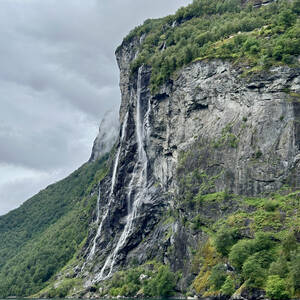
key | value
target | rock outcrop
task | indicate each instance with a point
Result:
(241, 132)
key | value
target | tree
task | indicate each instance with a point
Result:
(228, 287)
(295, 272)
(253, 273)
(162, 285)
(279, 267)
(276, 288)
(218, 276)
(289, 244)
(225, 239)
(240, 252)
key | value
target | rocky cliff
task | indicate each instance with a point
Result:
(198, 192)
(239, 134)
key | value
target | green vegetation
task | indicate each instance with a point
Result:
(225, 239)
(260, 247)
(246, 242)
(276, 288)
(218, 276)
(162, 284)
(250, 238)
(150, 280)
(259, 37)
(228, 288)
(227, 138)
(40, 237)
(63, 288)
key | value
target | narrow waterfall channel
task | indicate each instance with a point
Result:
(113, 182)
(138, 181)
(92, 252)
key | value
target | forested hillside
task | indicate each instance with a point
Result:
(43, 234)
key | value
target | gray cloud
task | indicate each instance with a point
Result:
(58, 77)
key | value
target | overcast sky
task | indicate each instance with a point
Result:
(58, 76)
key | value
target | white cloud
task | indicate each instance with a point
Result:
(58, 77)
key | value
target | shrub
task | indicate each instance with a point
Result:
(270, 205)
(279, 267)
(264, 258)
(228, 287)
(253, 273)
(225, 239)
(161, 285)
(295, 272)
(218, 276)
(276, 288)
(240, 252)
(262, 241)
(258, 154)
(289, 244)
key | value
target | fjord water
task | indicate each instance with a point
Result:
(86, 298)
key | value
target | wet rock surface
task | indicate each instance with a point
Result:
(242, 131)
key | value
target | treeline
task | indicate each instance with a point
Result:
(260, 37)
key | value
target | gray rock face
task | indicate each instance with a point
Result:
(107, 136)
(211, 103)
(250, 127)
(242, 133)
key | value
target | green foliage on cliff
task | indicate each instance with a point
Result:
(250, 238)
(276, 288)
(256, 251)
(40, 237)
(260, 37)
(150, 280)
(162, 284)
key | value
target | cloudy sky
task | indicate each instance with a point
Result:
(58, 76)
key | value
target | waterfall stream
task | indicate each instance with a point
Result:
(113, 182)
(92, 252)
(137, 182)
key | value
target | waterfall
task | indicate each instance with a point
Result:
(114, 176)
(138, 180)
(113, 182)
(92, 252)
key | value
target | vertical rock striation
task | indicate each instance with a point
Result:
(243, 134)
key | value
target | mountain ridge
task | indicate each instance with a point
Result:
(199, 196)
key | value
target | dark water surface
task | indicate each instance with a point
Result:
(89, 299)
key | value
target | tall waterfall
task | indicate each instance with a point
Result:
(113, 182)
(137, 182)
(92, 251)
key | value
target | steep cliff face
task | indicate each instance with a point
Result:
(248, 125)
(198, 192)
(241, 134)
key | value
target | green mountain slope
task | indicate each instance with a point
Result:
(40, 237)
(229, 29)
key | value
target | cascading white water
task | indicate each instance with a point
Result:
(113, 182)
(92, 252)
(138, 181)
